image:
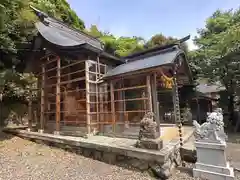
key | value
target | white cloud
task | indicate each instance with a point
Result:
(191, 45)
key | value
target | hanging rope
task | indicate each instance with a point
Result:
(177, 112)
(167, 82)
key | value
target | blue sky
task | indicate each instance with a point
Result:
(145, 18)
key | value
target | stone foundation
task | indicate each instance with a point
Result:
(155, 144)
(159, 169)
(116, 151)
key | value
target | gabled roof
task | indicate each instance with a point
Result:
(160, 59)
(150, 58)
(156, 49)
(63, 36)
(60, 34)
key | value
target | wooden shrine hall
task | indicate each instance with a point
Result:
(84, 90)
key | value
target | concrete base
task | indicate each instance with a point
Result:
(56, 133)
(41, 131)
(213, 172)
(211, 161)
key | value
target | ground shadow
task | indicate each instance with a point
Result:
(5, 136)
(233, 137)
(186, 170)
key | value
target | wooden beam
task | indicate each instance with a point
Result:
(149, 92)
(112, 105)
(131, 88)
(87, 98)
(42, 115)
(97, 89)
(58, 98)
(155, 100)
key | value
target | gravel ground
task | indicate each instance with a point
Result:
(24, 160)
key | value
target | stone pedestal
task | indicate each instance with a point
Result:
(155, 144)
(56, 133)
(211, 161)
(149, 134)
(41, 131)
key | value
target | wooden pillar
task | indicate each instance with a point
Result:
(97, 91)
(58, 107)
(101, 104)
(112, 105)
(42, 115)
(155, 100)
(87, 97)
(30, 117)
(149, 91)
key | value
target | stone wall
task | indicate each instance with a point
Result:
(158, 169)
(158, 162)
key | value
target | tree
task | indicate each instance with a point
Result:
(61, 10)
(17, 27)
(161, 40)
(216, 58)
(93, 31)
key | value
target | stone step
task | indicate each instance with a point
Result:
(73, 133)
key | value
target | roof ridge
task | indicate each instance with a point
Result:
(39, 13)
(159, 47)
(149, 54)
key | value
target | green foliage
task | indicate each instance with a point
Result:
(217, 57)
(160, 40)
(93, 31)
(124, 46)
(218, 42)
(61, 10)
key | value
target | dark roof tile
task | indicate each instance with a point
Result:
(145, 63)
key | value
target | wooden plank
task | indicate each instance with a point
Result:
(104, 112)
(135, 99)
(67, 74)
(67, 66)
(75, 90)
(149, 93)
(112, 105)
(131, 88)
(87, 98)
(130, 111)
(49, 62)
(73, 80)
(42, 98)
(58, 107)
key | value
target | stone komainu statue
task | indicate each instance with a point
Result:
(148, 127)
(212, 129)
